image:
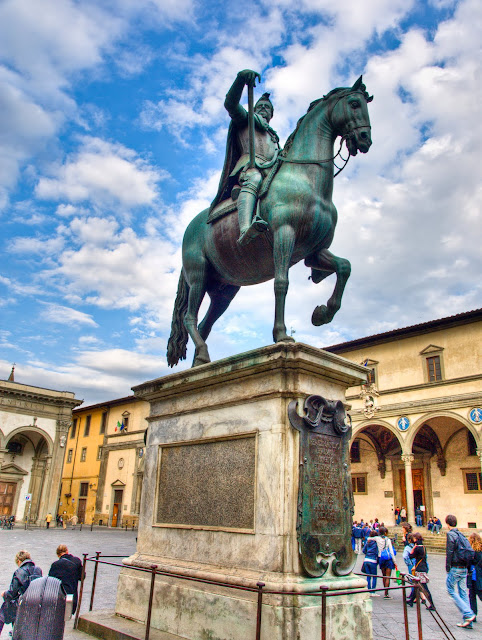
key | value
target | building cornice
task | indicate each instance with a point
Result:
(421, 406)
(423, 385)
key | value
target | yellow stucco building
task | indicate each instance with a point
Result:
(417, 425)
(83, 452)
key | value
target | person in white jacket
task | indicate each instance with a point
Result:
(386, 556)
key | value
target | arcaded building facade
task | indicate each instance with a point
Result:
(417, 424)
(34, 424)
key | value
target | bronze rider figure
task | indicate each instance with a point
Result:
(236, 170)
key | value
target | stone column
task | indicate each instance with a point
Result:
(54, 478)
(408, 460)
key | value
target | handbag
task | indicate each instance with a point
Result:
(414, 569)
(385, 554)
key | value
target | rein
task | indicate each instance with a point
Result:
(322, 162)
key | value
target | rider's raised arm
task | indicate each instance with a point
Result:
(233, 97)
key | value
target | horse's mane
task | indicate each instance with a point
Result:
(292, 135)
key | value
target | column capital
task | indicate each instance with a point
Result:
(407, 458)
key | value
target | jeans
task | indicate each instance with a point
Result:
(436, 528)
(371, 568)
(418, 520)
(456, 587)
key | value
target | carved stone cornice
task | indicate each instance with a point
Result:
(462, 401)
(29, 402)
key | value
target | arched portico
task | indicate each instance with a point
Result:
(25, 472)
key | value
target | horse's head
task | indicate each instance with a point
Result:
(349, 116)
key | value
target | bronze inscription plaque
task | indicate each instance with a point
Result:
(325, 483)
(208, 484)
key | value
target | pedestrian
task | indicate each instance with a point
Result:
(73, 521)
(403, 514)
(68, 569)
(406, 529)
(474, 577)
(397, 515)
(437, 525)
(370, 565)
(48, 519)
(456, 567)
(420, 571)
(64, 522)
(430, 524)
(21, 579)
(386, 558)
(358, 535)
(418, 517)
(409, 544)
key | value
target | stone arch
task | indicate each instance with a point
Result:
(24, 432)
(374, 431)
(441, 414)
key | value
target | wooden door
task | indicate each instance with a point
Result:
(115, 515)
(81, 509)
(7, 496)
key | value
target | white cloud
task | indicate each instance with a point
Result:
(104, 174)
(65, 315)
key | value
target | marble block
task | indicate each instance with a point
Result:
(219, 500)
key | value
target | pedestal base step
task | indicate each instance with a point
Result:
(108, 626)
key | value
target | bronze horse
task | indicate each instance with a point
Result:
(301, 216)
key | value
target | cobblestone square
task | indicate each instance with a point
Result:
(42, 543)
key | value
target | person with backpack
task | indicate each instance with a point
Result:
(68, 569)
(21, 579)
(474, 577)
(386, 558)
(459, 556)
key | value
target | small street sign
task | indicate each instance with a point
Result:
(28, 497)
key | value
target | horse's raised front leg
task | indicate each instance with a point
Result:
(196, 273)
(284, 242)
(324, 263)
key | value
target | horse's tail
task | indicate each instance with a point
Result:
(176, 346)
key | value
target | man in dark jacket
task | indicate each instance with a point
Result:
(26, 572)
(68, 569)
(456, 569)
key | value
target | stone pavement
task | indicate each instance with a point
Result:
(387, 614)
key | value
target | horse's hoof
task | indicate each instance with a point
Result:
(320, 316)
(201, 358)
(283, 337)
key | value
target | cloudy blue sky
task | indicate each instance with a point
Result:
(112, 134)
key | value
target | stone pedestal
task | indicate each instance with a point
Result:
(220, 501)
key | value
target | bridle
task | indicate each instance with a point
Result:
(348, 134)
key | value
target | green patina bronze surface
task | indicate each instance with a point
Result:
(267, 217)
(325, 496)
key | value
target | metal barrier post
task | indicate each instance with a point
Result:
(77, 613)
(324, 589)
(94, 580)
(260, 586)
(419, 613)
(405, 613)
(92, 524)
(151, 596)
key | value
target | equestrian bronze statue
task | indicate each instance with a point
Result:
(273, 208)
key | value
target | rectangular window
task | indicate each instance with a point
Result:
(359, 483)
(372, 378)
(355, 452)
(84, 489)
(125, 421)
(87, 426)
(99, 453)
(83, 454)
(74, 428)
(103, 422)
(69, 455)
(433, 369)
(472, 481)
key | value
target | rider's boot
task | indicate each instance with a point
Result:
(249, 227)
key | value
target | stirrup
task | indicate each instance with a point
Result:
(256, 227)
